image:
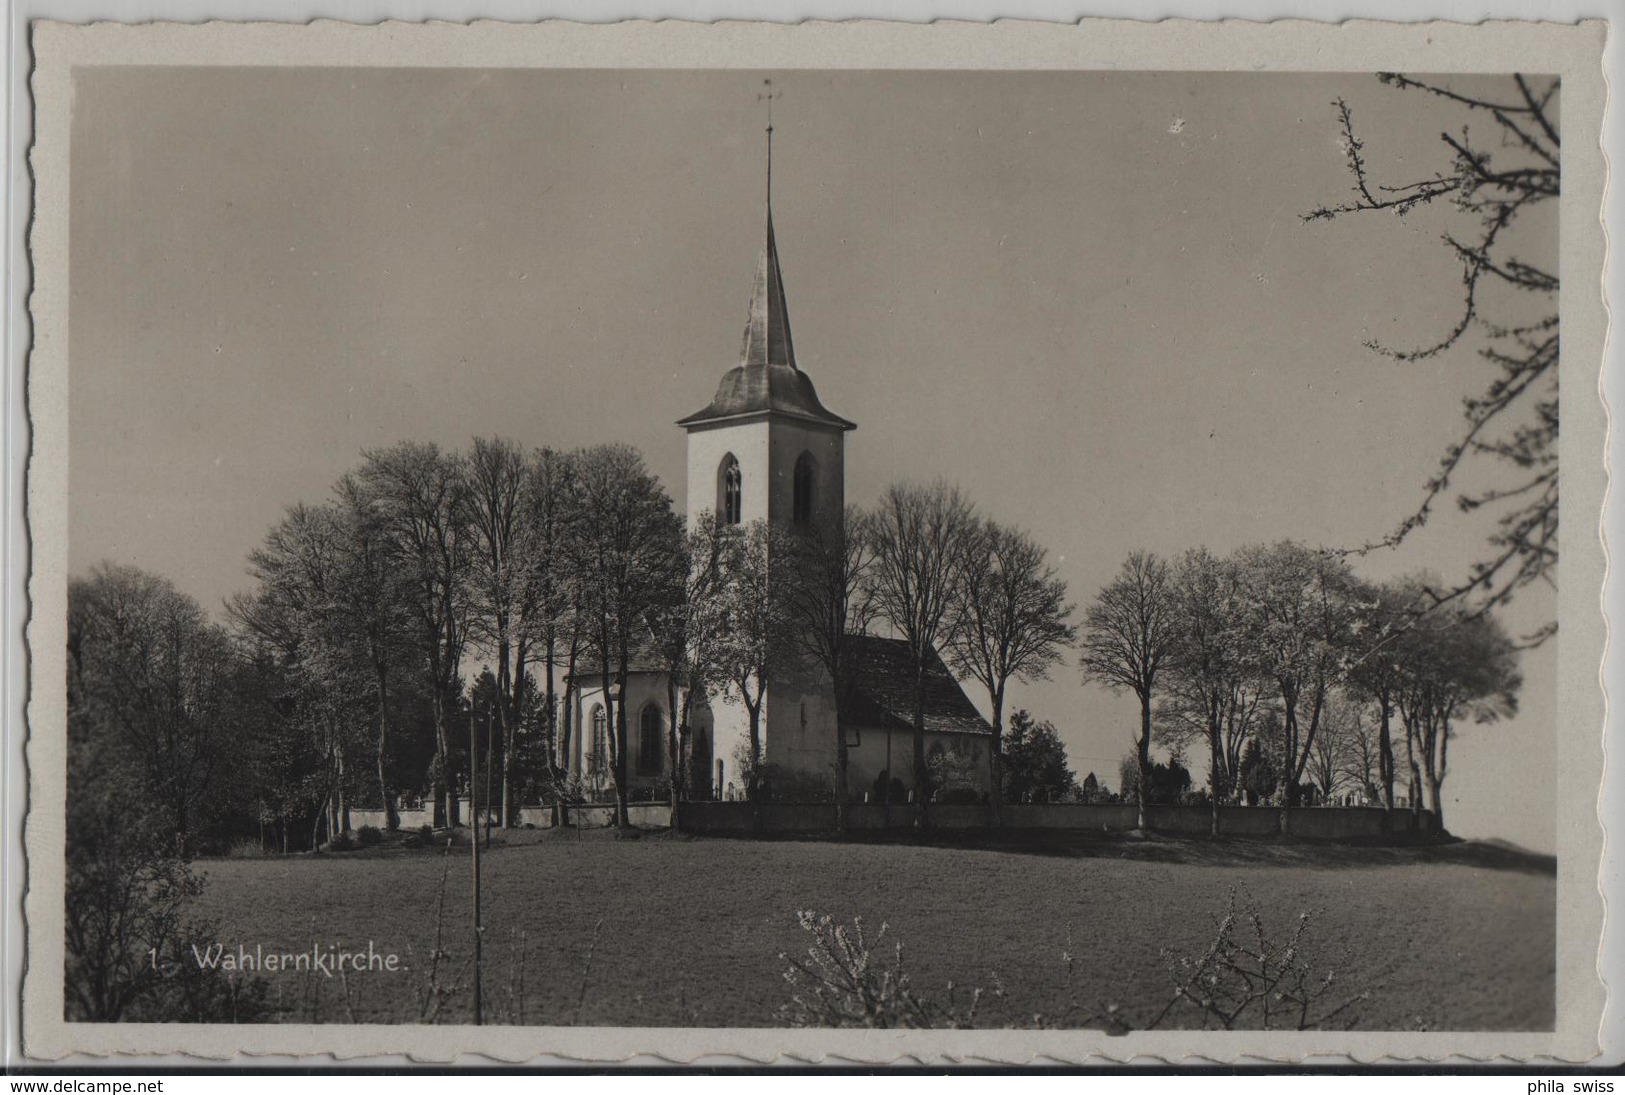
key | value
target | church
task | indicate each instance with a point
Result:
(766, 448)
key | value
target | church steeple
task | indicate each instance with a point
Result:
(767, 380)
(767, 329)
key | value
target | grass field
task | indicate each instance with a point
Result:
(1457, 936)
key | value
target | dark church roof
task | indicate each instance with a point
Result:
(884, 690)
(645, 658)
(766, 378)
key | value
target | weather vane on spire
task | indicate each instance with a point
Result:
(767, 95)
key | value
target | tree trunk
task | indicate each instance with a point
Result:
(392, 817)
(922, 776)
(753, 785)
(841, 765)
(1416, 772)
(1215, 775)
(550, 738)
(566, 744)
(995, 760)
(442, 758)
(1385, 750)
(618, 732)
(1431, 769)
(501, 741)
(674, 752)
(1143, 753)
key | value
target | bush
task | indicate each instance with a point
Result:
(426, 833)
(369, 835)
(127, 933)
(1259, 974)
(959, 796)
(341, 842)
(777, 783)
(848, 980)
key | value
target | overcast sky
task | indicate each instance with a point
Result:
(1087, 298)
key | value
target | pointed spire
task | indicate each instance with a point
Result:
(766, 380)
(767, 330)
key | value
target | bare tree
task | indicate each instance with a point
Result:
(1489, 192)
(329, 604)
(1461, 665)
(1300, 618)
(624, 555)
(1011, 620)
(500, 572)
(156, 677)
(920, 537)
(1384, 617)
(549, 597)
(756, 629)
(830, 604)
(1129, 634)
(1342, 732)
(691, 630)
(420, 493)
(1361, 758)
(1211, 693)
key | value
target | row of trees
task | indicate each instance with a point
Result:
(1282, 648)
(550, 564)
(339, 678)
(342, 671)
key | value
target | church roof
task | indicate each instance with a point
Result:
(766, 378)
(645, 658)
(884, 691)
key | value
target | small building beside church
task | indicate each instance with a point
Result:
(766, 448)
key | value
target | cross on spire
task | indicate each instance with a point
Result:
(767, 96)
(767, 331)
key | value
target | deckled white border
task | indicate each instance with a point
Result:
(1573, 52)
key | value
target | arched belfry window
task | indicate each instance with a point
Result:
(729, 488)
(805, 476)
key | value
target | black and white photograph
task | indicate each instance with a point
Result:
(783, 546)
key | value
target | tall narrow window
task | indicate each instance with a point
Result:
(806, 473)
(729, 485)
(598, 757)
(650, 747)
(699, 763)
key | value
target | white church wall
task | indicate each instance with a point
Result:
(642, 689)
(748, 441)
(730, 735)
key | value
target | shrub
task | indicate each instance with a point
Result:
(959, 796)
(1255, 976)
(127, 934)
(426, 833)
(777, 783)
(341, 842)
(369, 835)
(847, 981)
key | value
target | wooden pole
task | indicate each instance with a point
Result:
(485, 821)
(473, 809)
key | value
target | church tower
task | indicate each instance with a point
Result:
(766, 449)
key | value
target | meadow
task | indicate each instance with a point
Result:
(675, 931)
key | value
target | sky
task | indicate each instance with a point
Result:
(1086, 298)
